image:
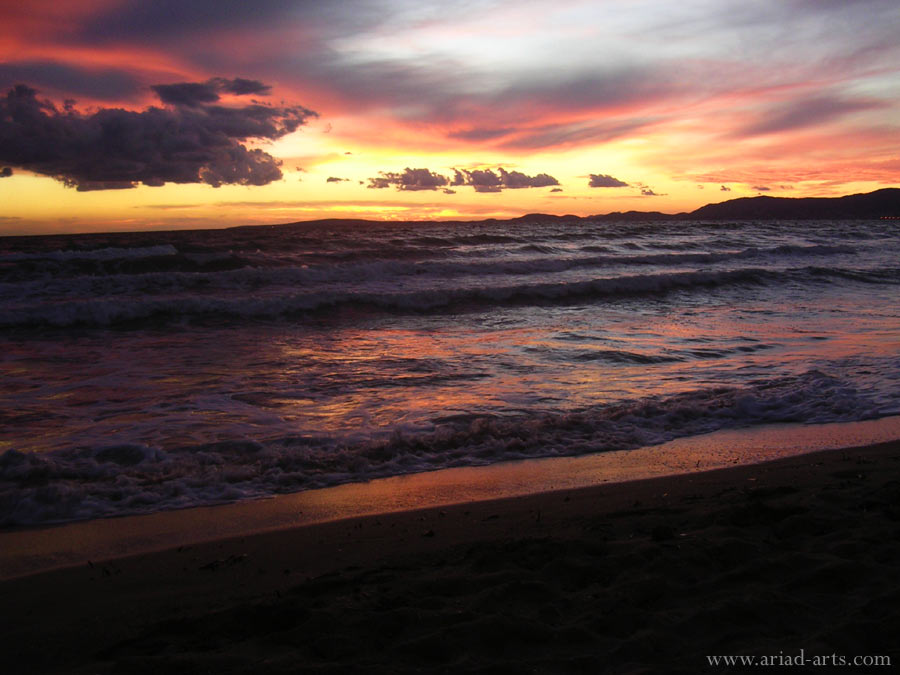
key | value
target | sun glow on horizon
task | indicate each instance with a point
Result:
(676, 107)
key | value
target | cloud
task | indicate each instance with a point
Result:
(191, 94)
(550, 135)
(760, 188)
(195, 94)
(556, 190)
(448, 191)
(515, 180)
(92, 185)
(486, 180)
(111, 84)
(335, 179)
(242, 87)
(603, 180)
(6, 172)
(409, 179)
(481, 180)
(481, 134)
(191, 142)
(408, 62)
(647, 192)
(805, 113)
(723, 188)
(167, 19)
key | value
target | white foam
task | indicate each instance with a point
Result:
(113, 480)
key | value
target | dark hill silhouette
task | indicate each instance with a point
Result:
(883, 203)
(879, 204)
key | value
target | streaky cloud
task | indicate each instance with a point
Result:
(109, 84)
(552, 135)
(481, 133)
(808, 112)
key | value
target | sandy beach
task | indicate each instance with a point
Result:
(655, 575)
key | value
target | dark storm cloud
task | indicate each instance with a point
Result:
(240, 86)
(186, 93)
(91, 185)
(114, 148)
(602, 180)
(105, 83)
(194, 94)
(805, 113)
(481, 180)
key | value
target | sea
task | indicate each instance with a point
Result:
(148, 371)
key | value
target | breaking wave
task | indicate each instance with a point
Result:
(127, 308)
(91, 482)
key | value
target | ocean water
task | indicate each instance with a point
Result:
(149, 371)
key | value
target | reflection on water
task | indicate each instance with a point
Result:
(211, 366)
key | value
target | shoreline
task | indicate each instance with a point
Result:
(33, 550)
(750, 543)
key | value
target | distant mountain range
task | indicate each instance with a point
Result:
(872, 205)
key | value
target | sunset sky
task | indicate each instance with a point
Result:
(127, 114)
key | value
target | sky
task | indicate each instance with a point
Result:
(126, 114)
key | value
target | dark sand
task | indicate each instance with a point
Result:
(647, 576)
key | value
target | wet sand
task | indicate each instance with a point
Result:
(644, 576)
